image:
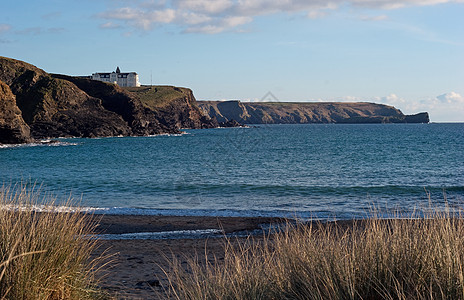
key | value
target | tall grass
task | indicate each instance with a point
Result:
(414, 258)
(43, 255)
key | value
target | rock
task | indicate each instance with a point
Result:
(230, 123)
(422, 117)
(13, 129)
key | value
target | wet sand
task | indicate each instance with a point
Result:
(137, 268)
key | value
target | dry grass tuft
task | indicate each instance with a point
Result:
(420, 257)
(43, 255)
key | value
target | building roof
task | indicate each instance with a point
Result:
(118, 71)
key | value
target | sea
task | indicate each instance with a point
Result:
(308, 171)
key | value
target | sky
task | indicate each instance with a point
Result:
(405, 53)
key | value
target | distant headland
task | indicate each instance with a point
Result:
(307, 112)
(35, 105)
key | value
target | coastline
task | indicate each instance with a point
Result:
(137, 266)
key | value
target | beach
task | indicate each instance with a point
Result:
(137, 268)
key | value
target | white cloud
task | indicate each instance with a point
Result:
(224, 24)
(451, 98)
(141, 18)
(395, 4)
(236, 21)
(392, 99)
(448, 107)
(204, 6)
(195, 18)
(110, 25)
(316, 14)
(214, 16)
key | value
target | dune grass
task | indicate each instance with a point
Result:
(420, 257)
(44, 255)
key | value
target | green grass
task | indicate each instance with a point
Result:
(421, 257)
(158, 96)
(44, 255)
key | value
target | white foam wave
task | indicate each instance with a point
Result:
(169, 134)
(163, 235)
(51, 208)
(41, 143)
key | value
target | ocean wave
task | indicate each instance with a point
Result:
(317, 214)
(303, 190)
(169, 134)
(53, 208)
(164, 235)
(41, 143)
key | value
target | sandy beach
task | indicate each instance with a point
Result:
(136, 270)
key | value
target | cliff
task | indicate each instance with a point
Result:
(307, 112)
(173, 106)
(63, 106)
(13, 129)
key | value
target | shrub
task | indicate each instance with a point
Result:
(420, 257)
(44, 255)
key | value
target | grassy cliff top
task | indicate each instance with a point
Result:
(158, 95)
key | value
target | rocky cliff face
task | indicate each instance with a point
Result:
(174, 106)
(292, 113)
(55, 107)
(140, 120)
(13, 129)
(65, 106)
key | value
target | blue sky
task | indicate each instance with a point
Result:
(408, 53)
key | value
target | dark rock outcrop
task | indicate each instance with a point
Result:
(306, 112)
(230, 123)
(422, 117)
(13, 129)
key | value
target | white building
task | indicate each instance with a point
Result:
(121, 79)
